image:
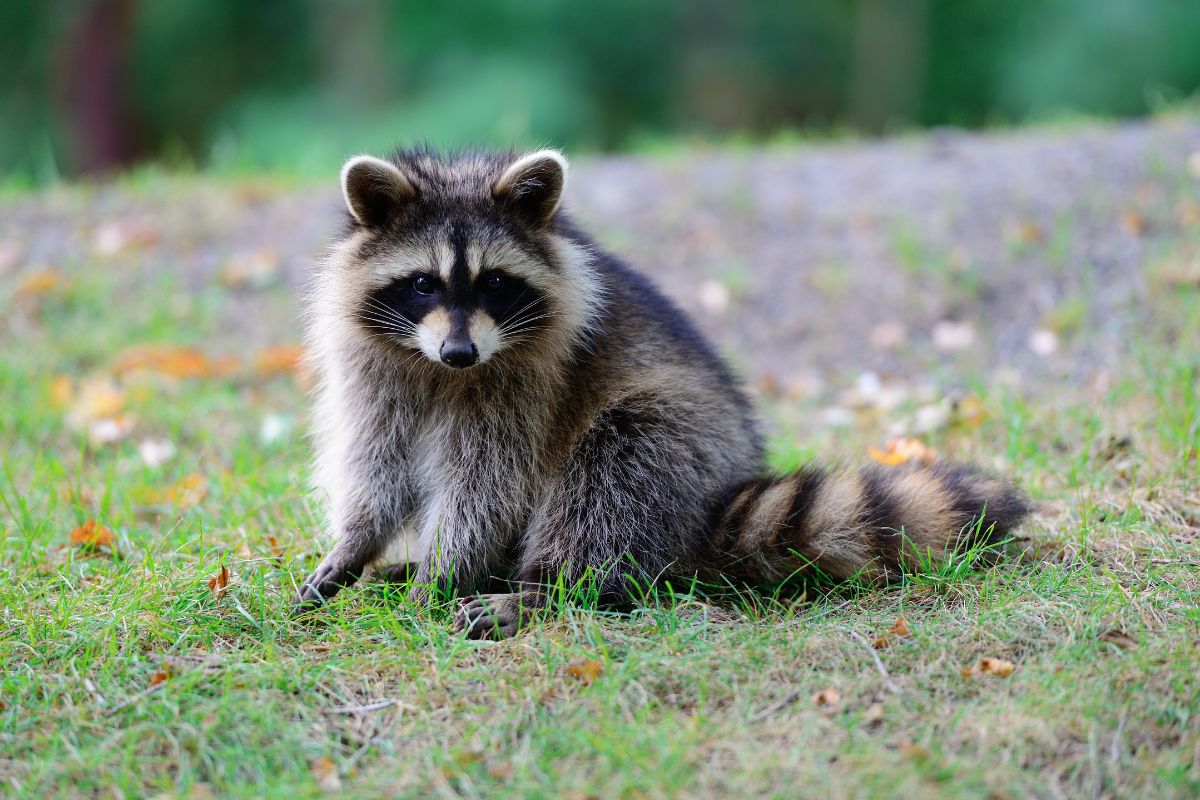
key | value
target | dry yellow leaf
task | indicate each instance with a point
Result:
(40, 282)
(970, 411)
(98, 398)
(585, 670)
(60, 392)
(219, 583)
(92, 536)
(903, 450)
(990, 666)
(189, 491)
(827, 698)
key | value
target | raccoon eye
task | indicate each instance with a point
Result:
(494, 282)
(423, 284)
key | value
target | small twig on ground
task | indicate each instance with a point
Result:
(149, 690)
(887, 678)
(367, 708)
(779, 705)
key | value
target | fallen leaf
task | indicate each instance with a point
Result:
(1118, 637)
(91, 535)
(500, 771)
(990, 666)
(873, 713)
(97, 398)
(39, 283)
(190, 490)
(276, 550)
(60, 392)
(286, 359)
(1134, 222)
(175, 362)
(971, 411)
(585, 670)
(903, 450)
(255, 269)
(827, 698)
(325, 773)
(163, 674)
(1026, 232)
(219, 583)
(898, 630)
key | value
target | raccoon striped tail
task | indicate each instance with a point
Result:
(875, 522)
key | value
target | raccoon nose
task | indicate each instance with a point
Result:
(459, 354)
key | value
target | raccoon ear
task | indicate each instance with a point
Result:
(533, 185)
(374, 189)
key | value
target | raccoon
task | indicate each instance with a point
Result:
(499, 397)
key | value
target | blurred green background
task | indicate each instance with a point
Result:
(87, 86)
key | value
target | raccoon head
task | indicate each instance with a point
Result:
(459, 257)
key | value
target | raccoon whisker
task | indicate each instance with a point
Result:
(399, 325)
(389, 315)
(520, 325)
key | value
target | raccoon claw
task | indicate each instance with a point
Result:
(491, 616)
(325, 582)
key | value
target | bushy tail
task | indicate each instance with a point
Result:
(875, 522)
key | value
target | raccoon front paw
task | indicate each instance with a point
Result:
(495, 616)
(328, 579)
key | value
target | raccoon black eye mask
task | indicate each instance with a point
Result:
(499, 399)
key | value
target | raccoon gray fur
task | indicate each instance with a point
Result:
(497, 396)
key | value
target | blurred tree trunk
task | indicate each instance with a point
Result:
(887, 73)
(93, 96)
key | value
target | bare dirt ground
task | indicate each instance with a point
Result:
(1024, 251)
(1024, 256)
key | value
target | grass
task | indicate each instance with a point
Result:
(695, 694)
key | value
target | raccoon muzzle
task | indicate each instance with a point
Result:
(874, 523)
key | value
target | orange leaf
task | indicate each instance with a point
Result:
(93, 536)
(162, 675)
(40, 282)
(175, 362)
(827, 698)
(218, 584)
(990, 666)
(281, 360)
(900, 629)
(585, 670)
(902, 450)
